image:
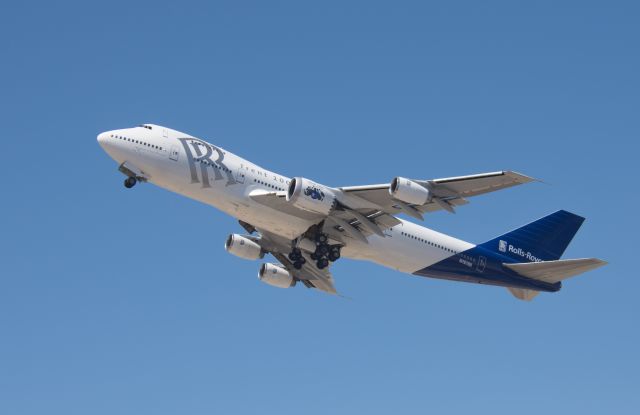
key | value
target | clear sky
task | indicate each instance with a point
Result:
(125, 302)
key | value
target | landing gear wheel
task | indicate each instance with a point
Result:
(322, 250)
(321, 238)
(298, 264)
(322, 263)
(334, 253)
(129, 182)
(295, 254)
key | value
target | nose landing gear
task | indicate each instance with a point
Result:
(129, 182)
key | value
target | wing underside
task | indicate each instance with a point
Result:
(309, 274)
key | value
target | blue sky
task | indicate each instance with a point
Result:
(116, 301)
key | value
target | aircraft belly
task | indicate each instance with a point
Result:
(396, 253)
(477, 266)
(273, 221)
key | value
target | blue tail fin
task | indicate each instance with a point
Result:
(542, 240)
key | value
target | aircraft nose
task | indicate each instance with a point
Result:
(102, 139)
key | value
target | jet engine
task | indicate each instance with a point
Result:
(275, 275)
(409, 191)
(310, 196)
(243, 247)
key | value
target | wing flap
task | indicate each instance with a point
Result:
(555, 271)
(309, 274)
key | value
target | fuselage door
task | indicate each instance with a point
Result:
(173, 153)
(239, 175)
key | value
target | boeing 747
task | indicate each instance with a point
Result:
(306, 225)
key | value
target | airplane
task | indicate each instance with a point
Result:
(306, 226)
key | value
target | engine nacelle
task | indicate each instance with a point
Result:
(409, 191)
(310, 196)
(243, 247)
(275, 275)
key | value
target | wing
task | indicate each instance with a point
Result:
(309, 274)
(365, 210)
(279, 247)
(447, 193)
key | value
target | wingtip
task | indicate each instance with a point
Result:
(523, 178)
(601, 262)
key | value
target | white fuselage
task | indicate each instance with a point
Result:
(223, 180)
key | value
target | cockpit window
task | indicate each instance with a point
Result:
(148, 127)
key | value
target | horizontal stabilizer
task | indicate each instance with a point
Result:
(555, 271)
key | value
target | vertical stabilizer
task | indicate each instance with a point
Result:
(542, 240)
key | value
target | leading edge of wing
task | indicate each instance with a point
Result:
(518, 177)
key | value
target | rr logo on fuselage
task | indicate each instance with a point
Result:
(210, 158)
